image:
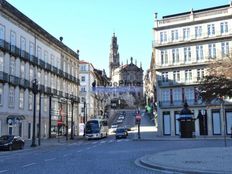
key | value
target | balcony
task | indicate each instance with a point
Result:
(66, 75)
(14, 80)
(54, 91)
(14, 51)
(171, 83)
(4, 46)
(41, 63)
(48, 66)
(33, 60)
(78, 81)
(179, 103)
(4, 77)
(54, 69)
(24, 55)
(60, 93)
(48, 90)
(66, 95)
(60, 73)
(42, 88)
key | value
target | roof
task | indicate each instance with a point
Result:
(195, 11)
(4, 5)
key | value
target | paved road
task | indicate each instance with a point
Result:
(108, 155)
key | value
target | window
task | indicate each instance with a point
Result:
(21, 99)
(164, 57)
(164, 76)
(64, 66)
(189, 94)
(1, 61)
(176, 95)
(31, 49)
(224, 27)
(176, 76)
(186, 33)
(174, 35)
(58, 83)
(30, 101)
(82, 89)
(39, 76)
(188, 75)
(45, 108)
(58, 62)
(2, 33)
(163, 36)
(187, 54)
(83, 68)
(198, 31)
(22, 43)
(39, 53)
(199, 52)
(12, 66)
(83, 78)
(45, 79)
(200, 74)
(175, 55)
(1, 94)
(212, 51)
(211, 29)
(52, 60)
(11, 97)
(165, 95)
(13, 38)
(225, 48)
(45, 56)
(22, 70)
(31, 75)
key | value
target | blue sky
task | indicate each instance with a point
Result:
(88, 25)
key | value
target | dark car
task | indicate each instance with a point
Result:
(121, 132)
(11, 142)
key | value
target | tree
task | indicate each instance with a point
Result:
(218, 81)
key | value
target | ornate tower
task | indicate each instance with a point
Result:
(114, 55)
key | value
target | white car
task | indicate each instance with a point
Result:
(121, 117)
(114, 127)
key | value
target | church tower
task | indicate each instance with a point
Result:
(114, 56)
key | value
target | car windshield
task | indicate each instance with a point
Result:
(92, 127)
(120, 130)
(5, 138)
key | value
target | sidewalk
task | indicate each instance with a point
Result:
(193, 161)
(52, 141)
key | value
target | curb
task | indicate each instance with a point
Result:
(182, 139)
(145, 162)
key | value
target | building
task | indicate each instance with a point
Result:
(184, 44)
(127, 79)
(87, 77)
(28, 52)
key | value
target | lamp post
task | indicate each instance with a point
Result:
(35, 91)
(72, 124)
(224, 119)
(84, 112)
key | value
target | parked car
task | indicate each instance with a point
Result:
(121, 132)
(114, 127)
(11, 142)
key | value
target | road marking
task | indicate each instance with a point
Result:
(119, 141)
(94, 146)
(111, 141)
(89, 148)
(94, 142)
(50, 159)
(79, 151)
(65, 155)
(28, 165)
(2, 171)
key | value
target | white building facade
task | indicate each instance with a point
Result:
(87, 77)
(28, 52)
(184, 45)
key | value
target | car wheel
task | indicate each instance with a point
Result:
(10, 148)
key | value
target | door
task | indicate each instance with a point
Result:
(203, 123)
(216, 123)
(167, 124)
(228, 122)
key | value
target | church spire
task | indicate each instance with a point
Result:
(114, 61)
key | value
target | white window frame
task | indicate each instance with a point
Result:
(12, 66)
(22, 43)
(225, 49)
(2, 32)
(224, 27)
(186, 33)
(199, 52)
(198, 31)
(212, 50)
(13, 38)
(187, 54)
(30, 100)
(1, 94)
(21, 99)
(1, 61)
(11, 97)
(211, 29)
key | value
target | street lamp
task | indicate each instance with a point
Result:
(72, 124)
(35, 91)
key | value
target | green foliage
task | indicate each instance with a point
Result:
(214, 86)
